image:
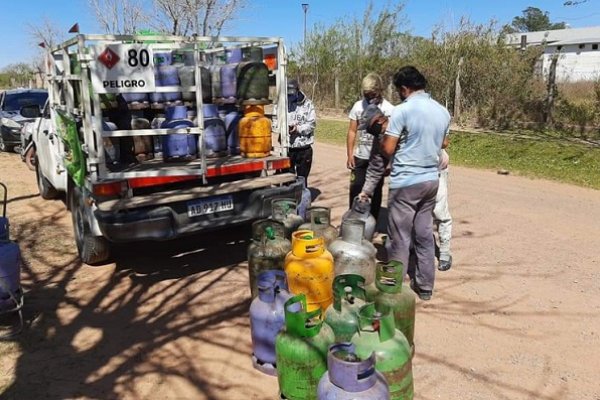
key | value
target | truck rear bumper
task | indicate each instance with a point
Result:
(169, 221)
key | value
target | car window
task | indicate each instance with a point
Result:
(14, 102)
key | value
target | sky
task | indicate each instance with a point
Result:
(285, 18)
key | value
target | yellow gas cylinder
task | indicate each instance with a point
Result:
(309, 270)
(255, 132)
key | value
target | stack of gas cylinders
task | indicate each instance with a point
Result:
(326, 318)
(235, 85)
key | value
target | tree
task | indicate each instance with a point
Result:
(45, 35)
(119, 17)
(532, 20)
(204, 17)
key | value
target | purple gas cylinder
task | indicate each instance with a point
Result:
(232, 122)
(10, 274)
(177, 146)
(267, 317)
(215, 141)
(4, 225)
(350, 378)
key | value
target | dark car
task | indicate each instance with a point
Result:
(11, 120)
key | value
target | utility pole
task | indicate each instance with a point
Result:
(305, 8)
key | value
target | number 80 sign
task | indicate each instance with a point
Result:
(122, 68)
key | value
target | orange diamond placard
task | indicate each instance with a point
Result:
(109, 58)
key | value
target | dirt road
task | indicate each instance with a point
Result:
(517, 317)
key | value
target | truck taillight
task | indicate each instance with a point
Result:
(110, 189)
(279, 164)
(135, 183)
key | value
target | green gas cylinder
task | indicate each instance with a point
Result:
(348, 298)
(267, 249)
(301, 350)
(378, 334)
(392, 293)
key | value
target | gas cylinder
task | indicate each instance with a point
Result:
(10, 273)
(351, 253)
(132, 98)
(177, 146)
(232, 123)
(3, 228)
(267, 318)
(348, 298)
(267, 250)
(157, 140)
(233, 55)
(252, 53)
(301, 350)
(320, 218)
(392, 352)
(309, 269)
(253, 82)
(389, 291)
(215, 141)
(305, 200)
(187, 77)
(168, 77)
(350, 377)
(215, 79)
(228, 78)
(255, 132)
(143, 148)
(361, 209)
(285, 211)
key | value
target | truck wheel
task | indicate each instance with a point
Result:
(30, 158)
(93, 250)
(46, 190)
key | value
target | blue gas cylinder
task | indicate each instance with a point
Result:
(163, 58)
(4, 228)
(169, 77)
(135, 97)
(10, 270)
(233, 55)
(156, 97)
(228, 74)
(267, 317)
(232, 122)
(350, 377)
(215, 141)
(178, 146)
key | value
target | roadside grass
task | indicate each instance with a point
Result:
(533, 156)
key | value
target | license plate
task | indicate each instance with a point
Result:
(210, 206)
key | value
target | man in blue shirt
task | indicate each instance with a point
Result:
(413, 140)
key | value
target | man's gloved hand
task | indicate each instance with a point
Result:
(369, 120)
(293, 134)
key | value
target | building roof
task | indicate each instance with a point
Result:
(572, 36)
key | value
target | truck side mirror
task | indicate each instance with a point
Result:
(31, 111)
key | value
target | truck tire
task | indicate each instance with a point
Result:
(93, 250)
(47, 191)
(30, 158)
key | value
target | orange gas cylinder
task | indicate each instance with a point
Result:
(309, 270)
(255, 132)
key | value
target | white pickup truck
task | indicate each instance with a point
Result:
(149, 199)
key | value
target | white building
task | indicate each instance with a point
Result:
(578, 51)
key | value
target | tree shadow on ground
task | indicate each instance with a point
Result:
(164, 313)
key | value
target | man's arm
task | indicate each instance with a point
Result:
(375, 170)
(308, 127)
(350, 143)
(388, 145)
